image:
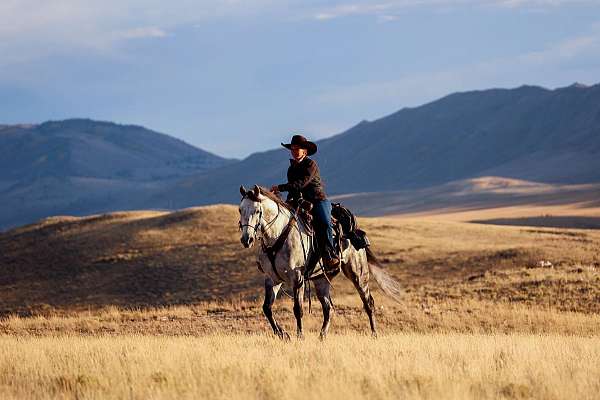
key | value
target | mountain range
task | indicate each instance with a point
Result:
(81, 166)
(529, 133)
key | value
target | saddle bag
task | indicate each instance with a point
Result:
(359, 239)
(345, 218)
(350, 230)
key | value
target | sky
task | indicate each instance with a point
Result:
(239, 76)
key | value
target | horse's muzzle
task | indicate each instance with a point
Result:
(247, 241)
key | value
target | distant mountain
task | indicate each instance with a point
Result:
(530, 133)
(81, 166)
(93, 149)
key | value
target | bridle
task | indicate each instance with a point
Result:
(260, 218)
(255, 227)
(271, 251)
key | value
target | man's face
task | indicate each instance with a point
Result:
(298, 153)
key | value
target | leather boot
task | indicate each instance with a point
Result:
(330, 259)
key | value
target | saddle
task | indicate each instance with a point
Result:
(343, 222)
(345, 228)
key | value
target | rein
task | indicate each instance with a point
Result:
(260, 214)
(271, 251)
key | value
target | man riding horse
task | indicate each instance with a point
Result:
(286, 243)
(304, 182)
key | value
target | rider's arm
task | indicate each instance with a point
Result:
(301, 181)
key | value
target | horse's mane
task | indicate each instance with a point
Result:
(266, 192)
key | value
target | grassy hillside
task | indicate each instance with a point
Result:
(124, 258)
(119, 267)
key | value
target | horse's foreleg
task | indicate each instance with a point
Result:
(323, 288)
(270, 294)
(298, 302)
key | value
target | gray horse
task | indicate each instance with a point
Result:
(286, 245)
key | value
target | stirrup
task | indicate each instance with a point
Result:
(330, 267)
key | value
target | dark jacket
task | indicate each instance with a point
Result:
(304, 177)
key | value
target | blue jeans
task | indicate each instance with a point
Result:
(322, 220)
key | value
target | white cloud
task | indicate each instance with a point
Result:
(384, 10)
(565, 49)
(324, 129)
(34, 29)
(140, 33)
(387, 18)
(29, 26)
(415, 89)
(353, 9)
(31, 29)
(539, 3)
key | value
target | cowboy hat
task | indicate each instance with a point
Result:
(301, 141)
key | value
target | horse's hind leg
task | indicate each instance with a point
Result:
(358, 272)
(270, 294)
(369, 306)
(323, 289)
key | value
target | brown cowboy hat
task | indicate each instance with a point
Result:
(301, 141)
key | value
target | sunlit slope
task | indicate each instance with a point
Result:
(489, 199)
(149, 258)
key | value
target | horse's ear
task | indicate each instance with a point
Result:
(243, 190)
(256, 191)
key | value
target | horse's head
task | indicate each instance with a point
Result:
(251, 215)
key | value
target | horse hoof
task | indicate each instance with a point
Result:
(283, 335)
(300, 336)
(322, 336)
(374, 334)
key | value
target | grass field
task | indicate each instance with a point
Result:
(153, 305)
(350, 366)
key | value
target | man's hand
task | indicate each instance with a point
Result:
(274, 189)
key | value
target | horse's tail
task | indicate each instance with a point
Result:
(389, 285)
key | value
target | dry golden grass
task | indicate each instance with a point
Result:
(408, 366)
(168, 305)
(429, 316)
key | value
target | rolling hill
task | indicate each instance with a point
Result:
(141, 259)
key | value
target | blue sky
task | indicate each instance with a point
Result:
(236, 77)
